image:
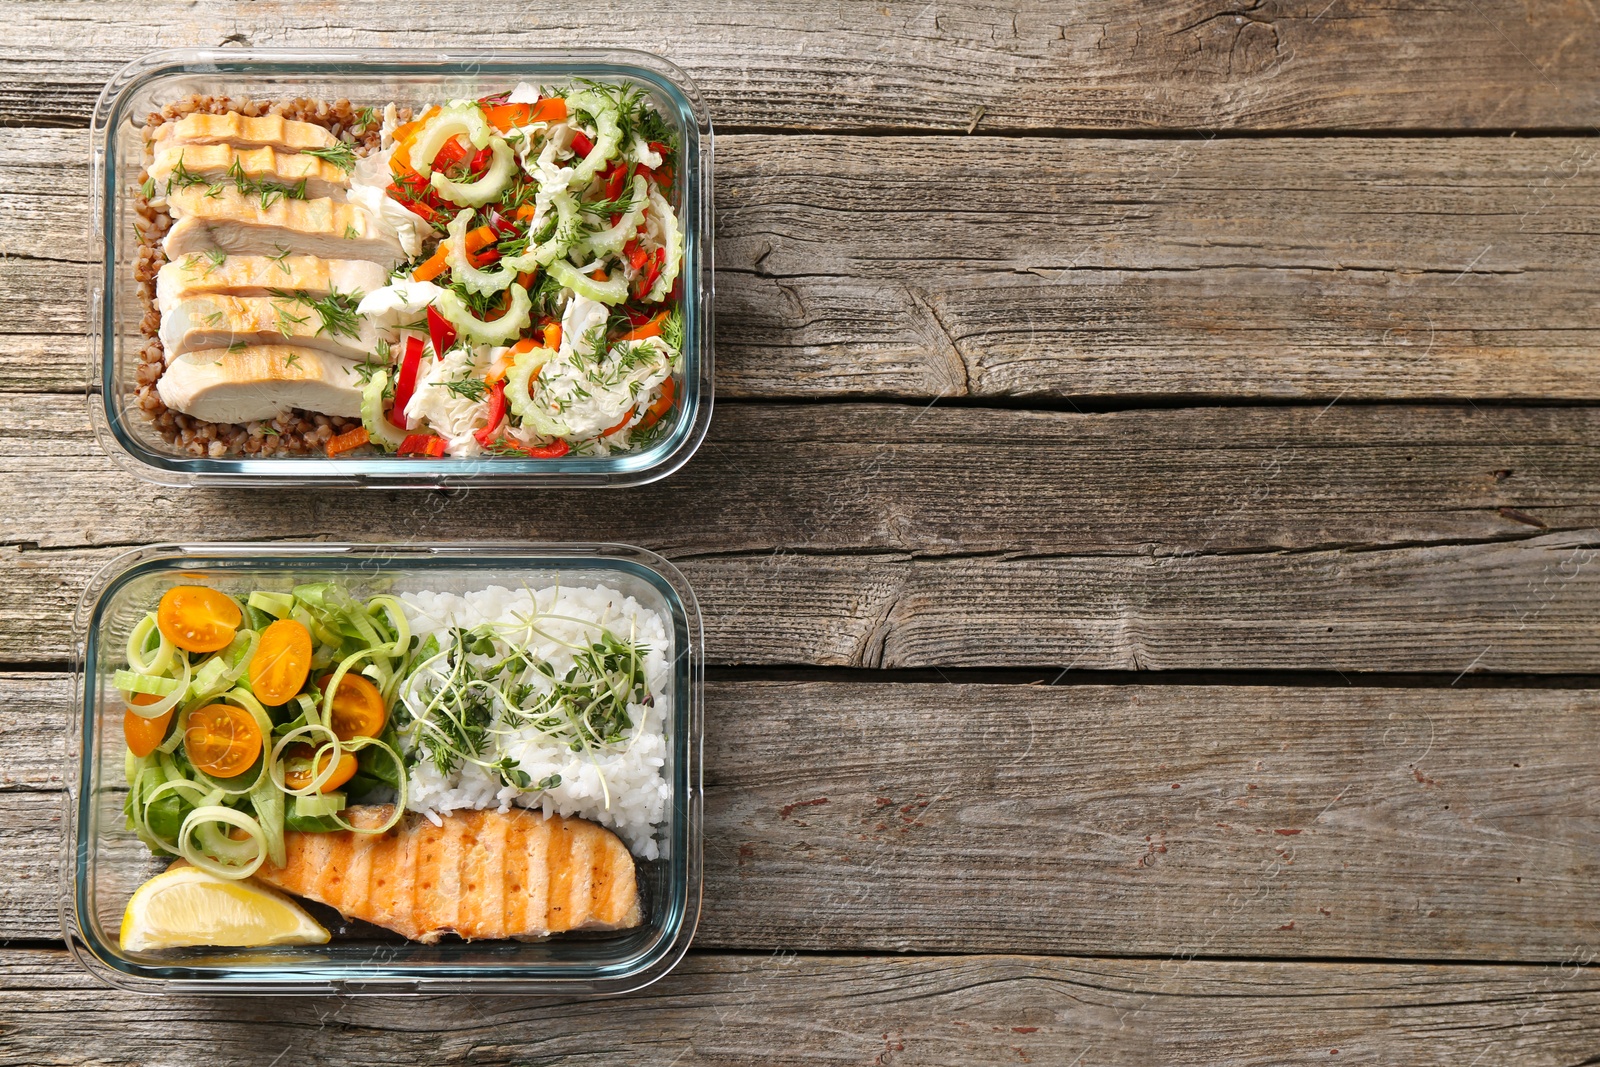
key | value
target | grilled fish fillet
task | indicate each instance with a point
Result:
(269, 131)
(197, 274)
(221, 164)
(483, 874)
(259, 382)
(239, 224)
(211, 321)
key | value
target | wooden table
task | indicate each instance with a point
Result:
(1147, 536)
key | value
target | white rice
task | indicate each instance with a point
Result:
(621, 785)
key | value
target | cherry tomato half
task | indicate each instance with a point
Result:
(144, 735)
(222, 740)
(358, 709)
(197, 619)
(281, 662)
(300, 777)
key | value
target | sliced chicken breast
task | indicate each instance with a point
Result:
(238, 224)
(482, 874)
(267, 131)
(260, 382)
(224, 165)
(210, 321)
(216, 272)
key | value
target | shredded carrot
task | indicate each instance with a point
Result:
(525, 213)
(600, 275)
(503, 362)
(648, 329)
(550, 109)
(439, 262)
(404, 134)
(433, 266)
(344, 442)
(663, 404)
(552, 336)
(504, 116)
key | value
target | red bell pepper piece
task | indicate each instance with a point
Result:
(646, 279)
(661, 150)
(422, 444)
(496, 412)
(635, 253)
(615, 176)
(440, 332)
(480, 160)
(416, 207)
(484, 258)
(556, 448)
(451, 153)
(406, 383)
(581, 144)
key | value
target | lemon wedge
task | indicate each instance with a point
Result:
(185, 906)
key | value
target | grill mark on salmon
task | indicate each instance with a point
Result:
(483, 874)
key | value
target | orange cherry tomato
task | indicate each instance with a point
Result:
(281, 662)
(299, 778)
(358, 709)
(197, 619)
(222, 740)
(144, 735)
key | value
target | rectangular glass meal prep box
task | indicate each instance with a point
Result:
(373, 77)
(106, 862)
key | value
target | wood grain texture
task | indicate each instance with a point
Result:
(1031, 66)
(784, 1009)
(1171, 820)
(1356, 538)
(1261, 268)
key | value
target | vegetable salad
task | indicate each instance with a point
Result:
(244, 719)
(538, 314)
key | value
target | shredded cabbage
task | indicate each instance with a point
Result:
(672, 240)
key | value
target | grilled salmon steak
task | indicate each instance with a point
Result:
(483, 874)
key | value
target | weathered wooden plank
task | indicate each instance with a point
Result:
(784, 1009)
(1527, 606)
(1176, 820)
(1087, 64)
(888, 536)
(1254, 268)
(927, 480)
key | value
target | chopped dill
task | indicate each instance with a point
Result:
(287, 320)
(340, 154)
(468, 388)
(337, 311)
